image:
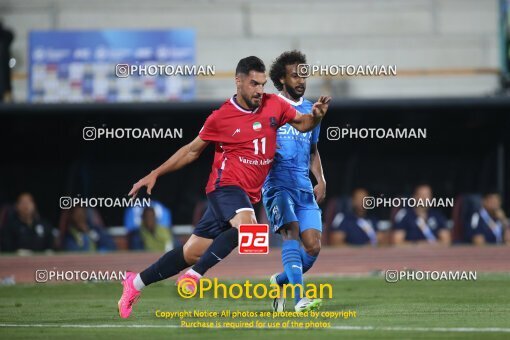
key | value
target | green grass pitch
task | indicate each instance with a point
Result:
(426, 309)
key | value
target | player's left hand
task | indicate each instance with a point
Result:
(321, 106)
(320, 192)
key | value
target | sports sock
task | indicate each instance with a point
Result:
(307, 260)
(194, 273)
(168, 265)
(222, 245)
(293, 266)
(138, 283)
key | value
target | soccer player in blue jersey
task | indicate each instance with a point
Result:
(289, 197)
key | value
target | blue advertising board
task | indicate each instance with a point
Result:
(81, 66)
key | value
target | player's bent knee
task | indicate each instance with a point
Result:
(314, 248)
(290, 231)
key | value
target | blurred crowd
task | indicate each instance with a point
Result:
(476, 219)
(24, 230)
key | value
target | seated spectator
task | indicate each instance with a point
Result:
(133, 216)
(420, 224)
(25, 230)
(355, 227)
(151, 236)
(81, 235)
(489, 224)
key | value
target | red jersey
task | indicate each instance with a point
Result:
(245, 143)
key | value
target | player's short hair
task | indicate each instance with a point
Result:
(251, 63)
(278, 70)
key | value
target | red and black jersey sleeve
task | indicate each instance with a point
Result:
(209, 131)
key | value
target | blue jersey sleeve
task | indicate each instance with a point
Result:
(399, 222)
(441, 220)
(475, 227)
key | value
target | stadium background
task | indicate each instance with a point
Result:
(451, 76)
(441, 49)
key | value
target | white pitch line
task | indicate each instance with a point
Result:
(84, 326)
(423, 329)
(339, 328)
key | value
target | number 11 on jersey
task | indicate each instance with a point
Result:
(256, 145)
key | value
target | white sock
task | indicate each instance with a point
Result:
(194, 273)
(138, 283)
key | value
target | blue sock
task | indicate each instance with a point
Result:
(293, 266)
(307, 260)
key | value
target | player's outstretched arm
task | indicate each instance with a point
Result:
(306, 122)
(184, 156)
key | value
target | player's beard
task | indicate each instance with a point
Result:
(294, 94)
(251, 105)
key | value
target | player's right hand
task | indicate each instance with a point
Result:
(148, 181)
(321, 106)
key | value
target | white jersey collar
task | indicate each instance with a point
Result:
(291, 102)
(233, 101)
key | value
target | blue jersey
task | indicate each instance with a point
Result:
(292, 159)
(483, 224)
(358, 231)
(418, 229)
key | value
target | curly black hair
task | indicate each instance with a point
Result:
(278, 70)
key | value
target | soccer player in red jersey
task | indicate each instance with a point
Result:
(244, 132)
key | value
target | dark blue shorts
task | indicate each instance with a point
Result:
(222, 205)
